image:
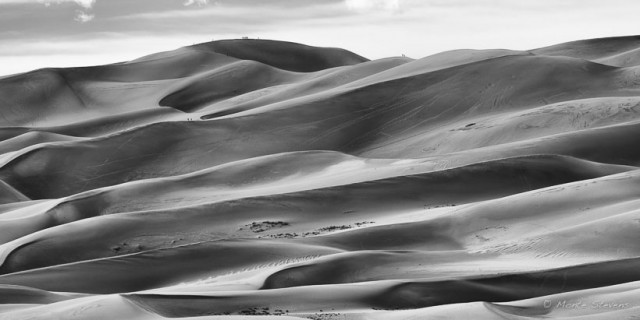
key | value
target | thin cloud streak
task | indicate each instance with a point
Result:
(196, 2)
(87, 4)
(369, 5)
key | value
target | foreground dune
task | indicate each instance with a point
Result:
(257, 179)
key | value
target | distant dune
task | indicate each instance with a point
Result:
(259, 179)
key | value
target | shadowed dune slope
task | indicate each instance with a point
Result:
(261, 179)
(283, 55)
(223, 83)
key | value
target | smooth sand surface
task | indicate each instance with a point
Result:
(258, 179)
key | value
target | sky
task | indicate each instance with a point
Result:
(62, 33)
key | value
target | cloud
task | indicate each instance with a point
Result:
(424, 27)
(372, 5)
(87, 4)
(196, 2)
(83, 17)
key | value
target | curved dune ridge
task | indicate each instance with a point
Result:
(259, 179)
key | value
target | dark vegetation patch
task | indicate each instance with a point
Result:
(319, 231)
(258, 227)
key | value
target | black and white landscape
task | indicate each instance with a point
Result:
(271, 178)
(264, 179)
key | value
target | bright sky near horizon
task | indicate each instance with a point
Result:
(60, 33)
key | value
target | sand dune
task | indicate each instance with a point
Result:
(258, 179)
(366, 121)
(606, 50)
(287, 211)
